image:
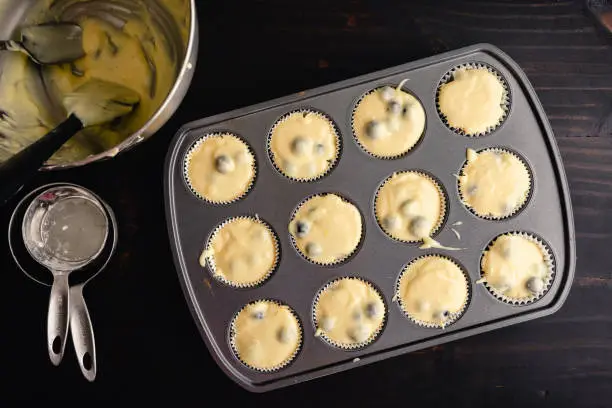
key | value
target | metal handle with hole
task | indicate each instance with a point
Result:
(82, 333)
(57, 318)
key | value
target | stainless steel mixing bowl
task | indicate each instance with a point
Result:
(12, 15)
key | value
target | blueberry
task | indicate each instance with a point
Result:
(391, 222)
(419, 227)
(301, 229)
(285, 335)
(444, 315)
(313, 249)
(387, 93)
(299, 146)
(505, 248)
(357, 315)
(406, 110)
(224, 164)
(326, 323)
(258, 315)
(372, 310)
(319, 148)
(358, 334)
(408, 207)
(535, 284)
(472, 189)
(374, 129)
(394, 107)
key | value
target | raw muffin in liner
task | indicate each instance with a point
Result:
(519, 194)
(532, 281)
(448, 282)
(465, 125)
(349, 313)
(235, 171)
(405, 218)
(266, 335)
(304, 155)
(388, 122)
(253, 247)
(326, 229)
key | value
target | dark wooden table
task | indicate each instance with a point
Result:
(149, 349)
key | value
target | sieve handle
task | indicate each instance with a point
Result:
(82, 333)
(57, 318)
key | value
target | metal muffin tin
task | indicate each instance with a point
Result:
(379, 259)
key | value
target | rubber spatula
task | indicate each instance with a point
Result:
(50, 43)
(94, 103)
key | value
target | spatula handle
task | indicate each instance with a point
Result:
(21, 168)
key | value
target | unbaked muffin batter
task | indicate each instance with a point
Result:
(410, 206)
(326, 229)
(350, 312)
(494, 183)
(265, 335)
(516, 267)
(388, 122)
(220, 168)
(304, 145)
(433, 291)
(243, 252)
(474, 100)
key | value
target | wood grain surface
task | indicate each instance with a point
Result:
(149, 350)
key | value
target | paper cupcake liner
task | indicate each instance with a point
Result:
(210, 257)
(506, 98)
(354, 132)
(548, 259)
(453, 317)
(352, 346)
(332, 164)
(284, 364)
(338, 261)
(517, 209)
(443, 205)
(197, 144)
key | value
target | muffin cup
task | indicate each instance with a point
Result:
(332, 164)
(289, 360)
(400, 86)
(506, 98)
(452, 317)
(338, 261)
(353, 346)
(209, 256)
(515, 210)
(548, 259)
(443, 205)
(197, 144)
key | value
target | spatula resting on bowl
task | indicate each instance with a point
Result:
(49, 43)
(94, 103)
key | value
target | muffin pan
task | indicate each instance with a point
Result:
(378, 259)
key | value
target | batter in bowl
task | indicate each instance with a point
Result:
(134, 44)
